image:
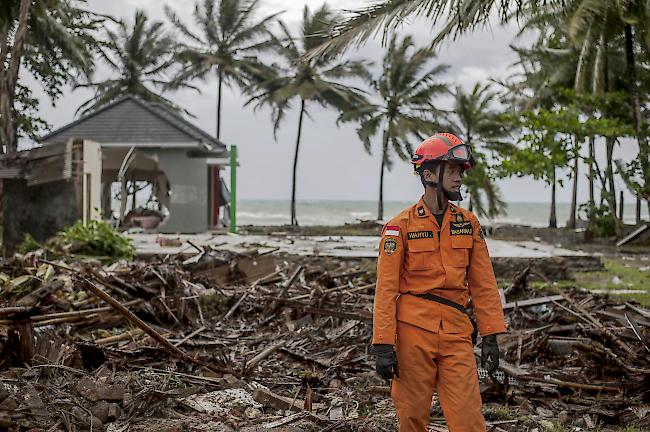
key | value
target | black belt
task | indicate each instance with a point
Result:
(457, 306)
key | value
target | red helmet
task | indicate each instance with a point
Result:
(443, 147)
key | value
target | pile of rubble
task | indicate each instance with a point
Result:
(261, 341)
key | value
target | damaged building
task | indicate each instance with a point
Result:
(146, 142)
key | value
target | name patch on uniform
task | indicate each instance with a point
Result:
(461, 228)
(414, 235)
(390, 246)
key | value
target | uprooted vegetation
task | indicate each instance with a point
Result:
(94, 238)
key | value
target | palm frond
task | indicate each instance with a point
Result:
(384, 17)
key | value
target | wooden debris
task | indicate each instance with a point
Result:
(294, 337)
(119, 307)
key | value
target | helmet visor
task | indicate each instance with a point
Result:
(460, 153)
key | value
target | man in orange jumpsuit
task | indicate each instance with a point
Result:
(432, 259)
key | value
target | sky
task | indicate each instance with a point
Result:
(332, 163)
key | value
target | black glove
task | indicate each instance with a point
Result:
(386, 361)
(490, 353)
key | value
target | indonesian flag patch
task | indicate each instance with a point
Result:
(392, 230)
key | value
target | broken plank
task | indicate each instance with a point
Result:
(581, 386)
(12, 310)
(633, 235)
(621, 317)
(269, 312)
(207, 380)
(640, 311)
(80, 313)
(189, 336)
(285, 420)
(343, 329)
(256, 268)
(273, 400)
(262, 355)
(268, 398)
(128, 335)
(344, 288)
(360, 316)
(533, 301)
(324, 363)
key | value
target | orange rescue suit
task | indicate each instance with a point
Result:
(432, 340)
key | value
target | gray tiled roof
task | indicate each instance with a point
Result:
(132, 120)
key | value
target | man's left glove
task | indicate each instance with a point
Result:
(490, 353)
(386, 361)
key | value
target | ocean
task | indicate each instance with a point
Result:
(276, 212)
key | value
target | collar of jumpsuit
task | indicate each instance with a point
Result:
(417, 255)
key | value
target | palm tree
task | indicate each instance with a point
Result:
(230, 42)
(406, 111)
(475, 119)
(139, 54)
(54, 41)
(590, 60)
(632, 16)
(309, 81)
(546, 70)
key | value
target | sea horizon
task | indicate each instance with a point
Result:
(338, 212)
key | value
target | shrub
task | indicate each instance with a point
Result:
(603, 222)
(97, 238)
(29, 244)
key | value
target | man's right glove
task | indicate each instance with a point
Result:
(386, 361)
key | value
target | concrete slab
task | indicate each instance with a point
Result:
(344, 246)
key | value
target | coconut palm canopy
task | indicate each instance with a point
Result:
(408, 87)
(231, 38)
(139, 54)
(317, 80)
(475, 118)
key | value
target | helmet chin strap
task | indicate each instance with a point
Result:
(440, 190)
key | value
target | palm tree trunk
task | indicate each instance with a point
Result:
(219, 104)
(134, 184)
(574, 196)
(384, 151)
(123, 199)
(644, 150)
(9, 79)
(621, 206)
(589, 233)
(294, 221)
(611, 189)
(552, 222)
(592, 156)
